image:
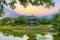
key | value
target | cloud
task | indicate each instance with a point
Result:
(38, 11)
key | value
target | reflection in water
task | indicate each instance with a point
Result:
(45, 37)
(7, 35)
(10, 37)
(49, 36)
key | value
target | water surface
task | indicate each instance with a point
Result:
(11, 37)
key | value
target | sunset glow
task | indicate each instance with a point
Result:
(33, 10)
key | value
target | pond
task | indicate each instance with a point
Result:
(44, 37)
(26, 37)
(11, 37)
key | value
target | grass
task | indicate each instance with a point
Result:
(28, 30)
(24, 27)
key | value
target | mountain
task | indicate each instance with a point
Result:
(10, 12)
(48, 16)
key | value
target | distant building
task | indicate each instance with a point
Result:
(32, 20)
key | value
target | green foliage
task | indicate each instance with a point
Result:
(44, 21)
(15, 21)
(6, 20)
(11, 3)
(47, 3)
(21, 20)
(1, 23)
(56, 21)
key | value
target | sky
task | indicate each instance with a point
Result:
(37, 11)
(32, 10)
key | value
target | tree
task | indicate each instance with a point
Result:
(1, 23)
(44, 21)
(6, 20)
(11, 3)
(12, 22)
(56, 21)
(21, 20)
